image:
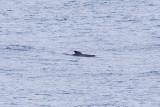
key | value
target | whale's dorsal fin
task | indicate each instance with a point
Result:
(77, 52)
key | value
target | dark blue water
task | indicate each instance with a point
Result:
(123, 34)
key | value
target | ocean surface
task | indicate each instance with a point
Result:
(123, 34)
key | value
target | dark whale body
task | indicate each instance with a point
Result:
(77, 53)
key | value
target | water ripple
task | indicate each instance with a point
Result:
(18, 47)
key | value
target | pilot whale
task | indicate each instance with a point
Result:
(77, 53)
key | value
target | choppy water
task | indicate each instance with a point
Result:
(123, 34)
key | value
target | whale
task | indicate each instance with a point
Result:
(77, 53)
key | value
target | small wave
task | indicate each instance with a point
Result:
(19, 47)
(157, 25)
(150, 73)
(155, 72)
